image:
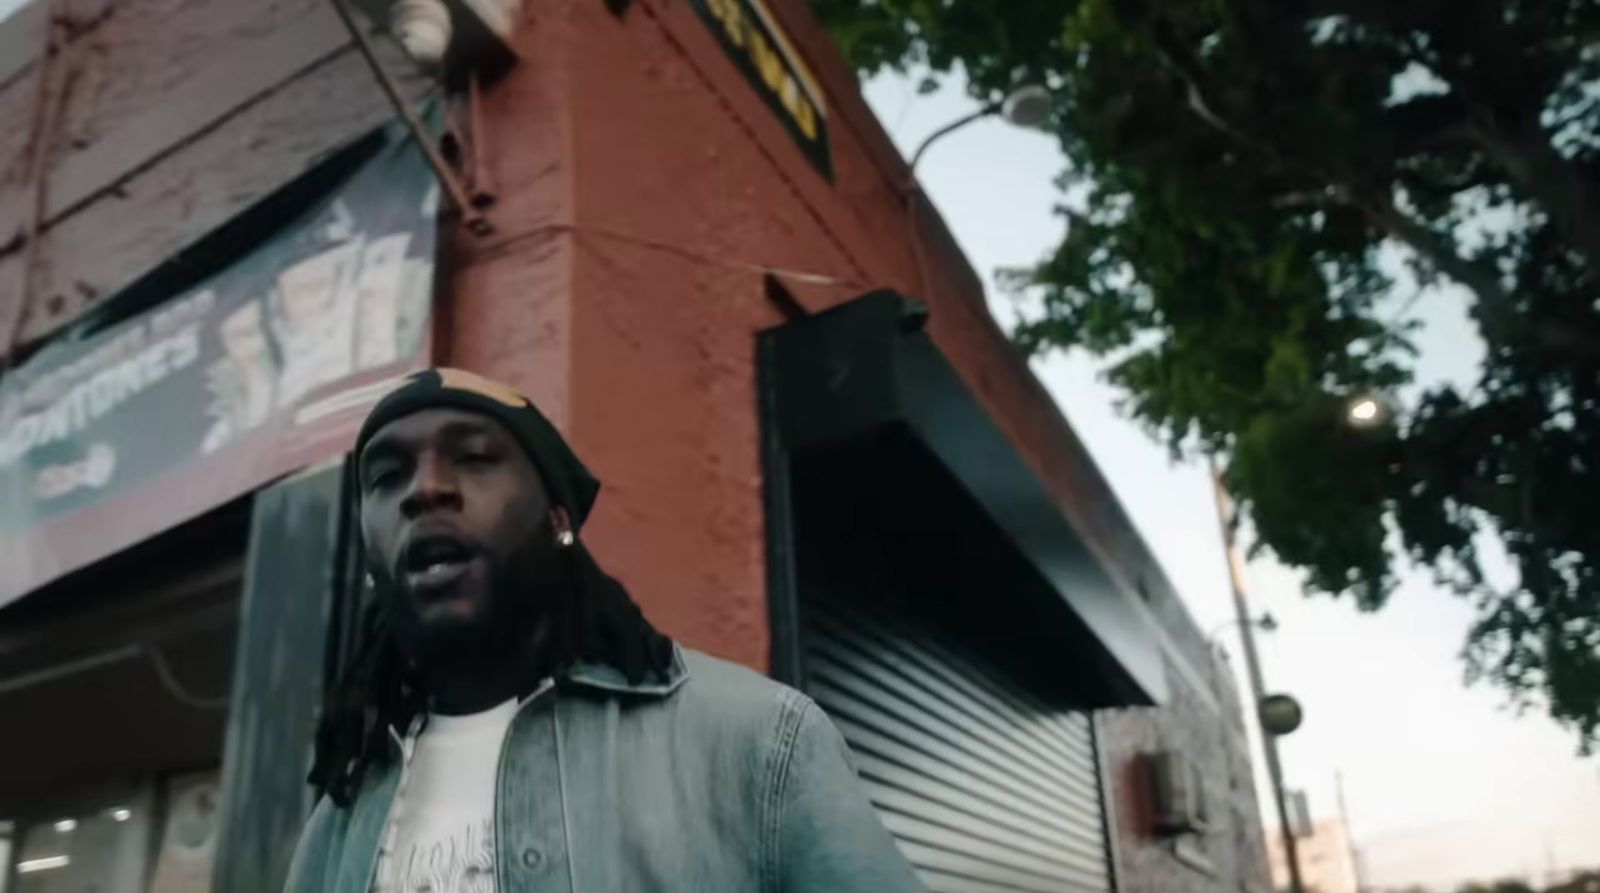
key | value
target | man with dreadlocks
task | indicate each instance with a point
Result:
(512, 723)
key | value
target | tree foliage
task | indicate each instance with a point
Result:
(1240, 164)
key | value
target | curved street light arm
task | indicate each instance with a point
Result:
(984, 112)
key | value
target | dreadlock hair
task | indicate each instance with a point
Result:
(592, 619)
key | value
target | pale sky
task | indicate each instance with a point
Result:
(1442, 783)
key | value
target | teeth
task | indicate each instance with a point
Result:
(435, 572)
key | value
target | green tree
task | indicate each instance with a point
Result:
(1239, 164)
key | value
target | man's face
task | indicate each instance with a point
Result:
(242, 337)
(455, 519)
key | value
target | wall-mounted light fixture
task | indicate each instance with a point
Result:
(451, 39)
(423, 29)
(463, 43)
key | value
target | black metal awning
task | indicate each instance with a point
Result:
(862, 390)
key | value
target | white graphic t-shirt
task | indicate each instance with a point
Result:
(440, 837)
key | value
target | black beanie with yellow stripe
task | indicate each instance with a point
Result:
(569, 483)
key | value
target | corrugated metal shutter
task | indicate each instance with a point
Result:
(985, 788)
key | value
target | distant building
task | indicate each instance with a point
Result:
(1328, 862)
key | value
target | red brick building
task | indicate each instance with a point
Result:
(686, 201)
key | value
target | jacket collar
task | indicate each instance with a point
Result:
(596, 677)
(606, 678)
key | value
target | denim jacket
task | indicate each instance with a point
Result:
(716, 779)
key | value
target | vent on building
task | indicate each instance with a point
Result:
(1180, 793)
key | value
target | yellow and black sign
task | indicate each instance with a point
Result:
(751, 36)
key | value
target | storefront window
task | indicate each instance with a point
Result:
(106, 849)
(101, 850)
(189, 838)
(6, 830)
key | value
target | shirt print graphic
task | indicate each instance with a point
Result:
(460, 863)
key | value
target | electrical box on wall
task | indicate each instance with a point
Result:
(451, 38)
(1180, 796)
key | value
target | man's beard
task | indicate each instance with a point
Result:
(524, 597)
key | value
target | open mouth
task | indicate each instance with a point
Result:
(430, 563)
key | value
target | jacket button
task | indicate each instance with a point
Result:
(531, 858)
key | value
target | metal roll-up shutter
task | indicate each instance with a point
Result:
(984, 787)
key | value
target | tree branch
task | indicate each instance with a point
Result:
(1495, 310)
(1531, 161)
(1521, 147)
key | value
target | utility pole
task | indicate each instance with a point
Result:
(1252, 660)
(1349, 839)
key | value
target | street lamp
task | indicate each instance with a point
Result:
(1280, 714)
(1025, 106)
(1365, 412)
(1266, 623)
